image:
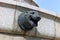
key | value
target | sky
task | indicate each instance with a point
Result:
(52, 5)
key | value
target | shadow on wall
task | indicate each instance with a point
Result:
(38, 37)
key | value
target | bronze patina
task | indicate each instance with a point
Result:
(28, 20)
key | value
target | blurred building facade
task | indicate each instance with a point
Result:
(48, 27)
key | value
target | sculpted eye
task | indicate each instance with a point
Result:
(32, 13)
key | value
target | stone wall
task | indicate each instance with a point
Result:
(57, 24)
(48, 26)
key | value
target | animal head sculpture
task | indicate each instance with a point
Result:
(28, 20)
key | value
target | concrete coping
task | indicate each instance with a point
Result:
(30, 7)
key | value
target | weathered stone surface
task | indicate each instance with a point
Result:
(8, 2)
(16, 37)
(27, 2)
(9, 22)
(57, 25)
(46, 27)
(34, 38)
(10, 37)
(6, 17)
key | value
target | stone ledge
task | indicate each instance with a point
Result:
(30, 7)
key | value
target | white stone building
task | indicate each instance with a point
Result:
(48, 27)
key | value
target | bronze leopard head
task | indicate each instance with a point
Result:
(28, 20)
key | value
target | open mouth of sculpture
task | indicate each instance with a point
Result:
(34, 21)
